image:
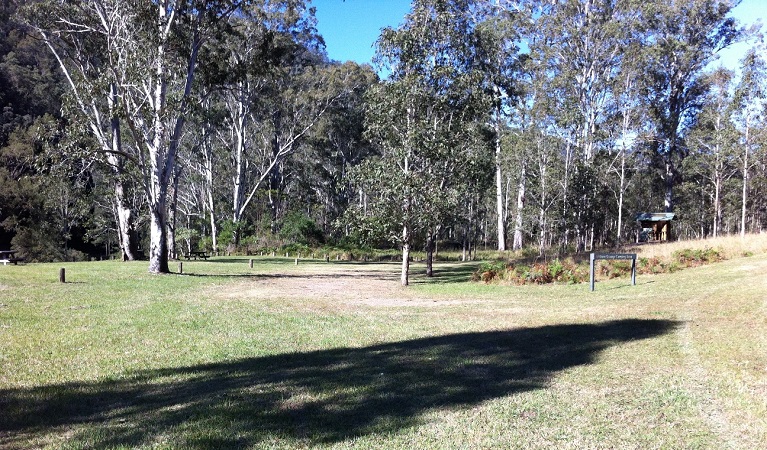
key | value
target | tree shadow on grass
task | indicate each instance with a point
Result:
(309, 398)
(450, 273)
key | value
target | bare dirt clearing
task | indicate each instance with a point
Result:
(375, 285)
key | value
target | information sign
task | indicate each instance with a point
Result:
(618, 256)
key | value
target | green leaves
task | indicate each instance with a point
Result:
(427, 120)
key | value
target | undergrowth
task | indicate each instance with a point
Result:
(568, 271)
(556, 271)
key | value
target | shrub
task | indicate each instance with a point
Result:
(205, 243)
(298, 228)
(540, 274)
(570, 272)
(556, 268)
(696, 257)
(489, 271)
(615, 269)
(36, 245)
(519, 274)
(296, 248)
(225, 238)
(555, 271)
(650, 265)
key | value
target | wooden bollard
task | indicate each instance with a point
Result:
(327, 258)
(250, 264)
(274, 254)
(287, 255)
(62, 275)
(180, 267)
(296, 261)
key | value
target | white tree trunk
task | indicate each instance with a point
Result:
(521, 192)
(744, 196)
(124, 216)
(162, 145)
(621, 188)
(209, 199)
(158, 249)
(213, 227)
(239, 115)
(124, 213)
(404, 275)
(499, 189)
(668, 178)
(717, 206)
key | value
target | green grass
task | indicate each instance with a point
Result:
(337, 355)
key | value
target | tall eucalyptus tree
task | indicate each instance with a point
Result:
(626, 134)
(580, 46)
(147, 70)
(683, 37)
(712, 142)
(422, 118)
(86, 40)
(750, 101)
(497, 46)
(583, 50)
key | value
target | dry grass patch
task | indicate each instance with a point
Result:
(728, 246)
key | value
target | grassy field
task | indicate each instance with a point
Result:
(337, 355)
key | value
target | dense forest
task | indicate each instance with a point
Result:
(145, 129)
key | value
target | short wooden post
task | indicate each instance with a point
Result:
(296, 261)
(62, 275)
(634, 271)
(591, 272)
(250, 263)
(327, 258)
(180, 267)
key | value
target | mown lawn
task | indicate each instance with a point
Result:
(338, 356)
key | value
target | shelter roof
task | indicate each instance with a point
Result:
(654, 217)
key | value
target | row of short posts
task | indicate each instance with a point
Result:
(63, 272)
(298, 257)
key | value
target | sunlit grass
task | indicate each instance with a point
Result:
(229, 356)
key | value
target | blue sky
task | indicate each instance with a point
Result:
(747, 13)
(351, 27)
